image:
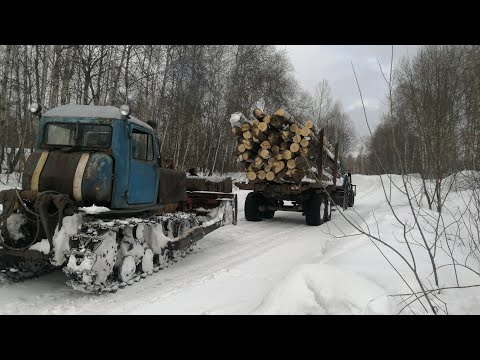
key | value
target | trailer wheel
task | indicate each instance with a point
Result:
(345, 200)
(251, 207)
(351, 198)
(315, 214)
(269, 214)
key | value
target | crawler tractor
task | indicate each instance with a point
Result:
(97, 202)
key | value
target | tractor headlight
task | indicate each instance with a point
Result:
(35, 108)
(125, 110)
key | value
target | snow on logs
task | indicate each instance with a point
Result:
(276, 147)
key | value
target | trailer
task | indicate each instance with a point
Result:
(314, 198)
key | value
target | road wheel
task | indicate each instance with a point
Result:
(251, 207)
(269, 214)
(345, 200)
(127, 269)
(315, 210)
(351, 198)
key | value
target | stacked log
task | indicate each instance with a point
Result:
(276, 147)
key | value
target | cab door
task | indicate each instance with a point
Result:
(143, 177)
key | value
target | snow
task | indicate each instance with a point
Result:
(61, 238)
(217, 214)
(14, 222)
(306, 179)
(323, 289)
(155, 238)
(91, 111)
(213, 178)
(329, 153)
(94, 209)
(278, 266)
(42, 246)
(236, 119)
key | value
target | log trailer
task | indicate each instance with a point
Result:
(97, 202)
(296, 181)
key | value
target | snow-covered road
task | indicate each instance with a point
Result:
(274, 266)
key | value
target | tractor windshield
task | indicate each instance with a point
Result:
(78, 134)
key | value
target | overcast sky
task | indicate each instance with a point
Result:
(333, 62)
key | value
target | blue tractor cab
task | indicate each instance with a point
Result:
(99, 156)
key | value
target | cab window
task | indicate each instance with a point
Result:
(142, 145)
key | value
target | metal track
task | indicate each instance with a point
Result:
(90, 259)
(24, 270)
(95, 261)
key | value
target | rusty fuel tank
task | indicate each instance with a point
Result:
(86, 177)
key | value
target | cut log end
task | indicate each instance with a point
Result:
(309, 124)
(258, 160)
(306, 131)
(251, 175)
(270, 176)
(265, 145)
(245, 126)
(294, 147)
(258, 113)
(279, 166)
(247, 134)
(263, 126)
(264, 153)
(287, 154)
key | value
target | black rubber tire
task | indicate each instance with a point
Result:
(251, 207)
(345, 200)
(269, 214)
(351, 198)
(312, 215)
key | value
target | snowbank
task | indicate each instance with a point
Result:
(325, 289)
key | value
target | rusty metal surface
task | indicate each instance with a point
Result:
(277, 189)
(97, 180)
(201, 184)
(244, 186)
(43, 211)
(212, 200)
(59, 172)
(29, 168)
(172, 186)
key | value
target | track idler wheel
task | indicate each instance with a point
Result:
(147, 261)
(127, 269)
